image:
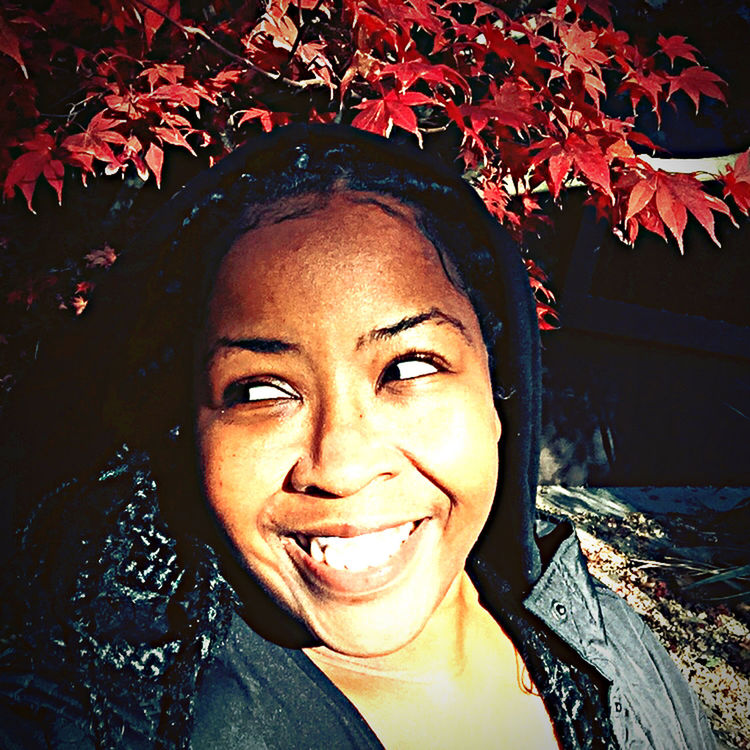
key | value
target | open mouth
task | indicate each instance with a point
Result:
(357, 553)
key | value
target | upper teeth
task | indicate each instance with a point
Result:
(359, 552)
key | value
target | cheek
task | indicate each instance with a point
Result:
(458, 427)
(241, 475)
(454, 439)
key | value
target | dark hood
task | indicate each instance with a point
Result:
(496, 277)
(120, 566)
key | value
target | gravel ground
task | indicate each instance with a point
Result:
(658, 563)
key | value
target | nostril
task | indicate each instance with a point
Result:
(339, 463)
(314, 491)
(309, 489)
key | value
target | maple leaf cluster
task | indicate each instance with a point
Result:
(526, 95)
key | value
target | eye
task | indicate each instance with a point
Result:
(264, 392)
(409, 368)
(255, 392)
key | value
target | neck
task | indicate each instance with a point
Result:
(441, 646)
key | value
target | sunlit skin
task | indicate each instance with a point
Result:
(343, 388)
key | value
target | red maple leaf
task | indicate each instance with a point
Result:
(174, 137)
(640, 82)
(477, 121)
(276, 27)
(84, 287)
(39, 159)
(153, 20)
(408, 73)
(362, 65)
(676, 194)
(538, 279)
(590, 160)
(511, 104)
(677, 46)
(546, 316)
(313, 59)
(559, 166)
(175, 92)
(10, 45)
(169, 72)
(581, 50)
(78, 302)
(620, 149)
(380, 115)
(554, 161)
(154, 159)
(695, 81)
(524, 58)
(225, 79)
(737, 182)
(649, 219)
(641, 194)
(104, 257)
(268, 119)
(94, 143)
(496, 199)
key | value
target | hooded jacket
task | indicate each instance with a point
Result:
(135, 628)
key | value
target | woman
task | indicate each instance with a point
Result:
(333, 386)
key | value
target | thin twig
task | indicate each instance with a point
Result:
(436, 129)
(196, 31)
(687, 566)
(735, 409)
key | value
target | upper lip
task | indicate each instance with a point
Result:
(348, 530)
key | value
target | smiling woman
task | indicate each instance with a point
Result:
(333, 381)
(355, 427)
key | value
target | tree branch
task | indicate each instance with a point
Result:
(301, 28)
(196, 31)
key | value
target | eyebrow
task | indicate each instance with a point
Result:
(257, 344)
(260, 345)
(411, 321)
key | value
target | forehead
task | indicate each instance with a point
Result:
(339, 196)
(332, 254)
(374, 234)
(341, 223)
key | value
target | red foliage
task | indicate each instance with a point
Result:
(661, 199)
(136, 79)
(737, 183)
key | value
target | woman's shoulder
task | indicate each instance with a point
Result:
(42, 706)
(648, 696)
(113, 617)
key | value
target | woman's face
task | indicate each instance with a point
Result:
(345, 420)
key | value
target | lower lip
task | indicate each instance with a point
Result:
(357, 583)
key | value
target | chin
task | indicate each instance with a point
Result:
(368, 636)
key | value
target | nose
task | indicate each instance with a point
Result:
(345, 452)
